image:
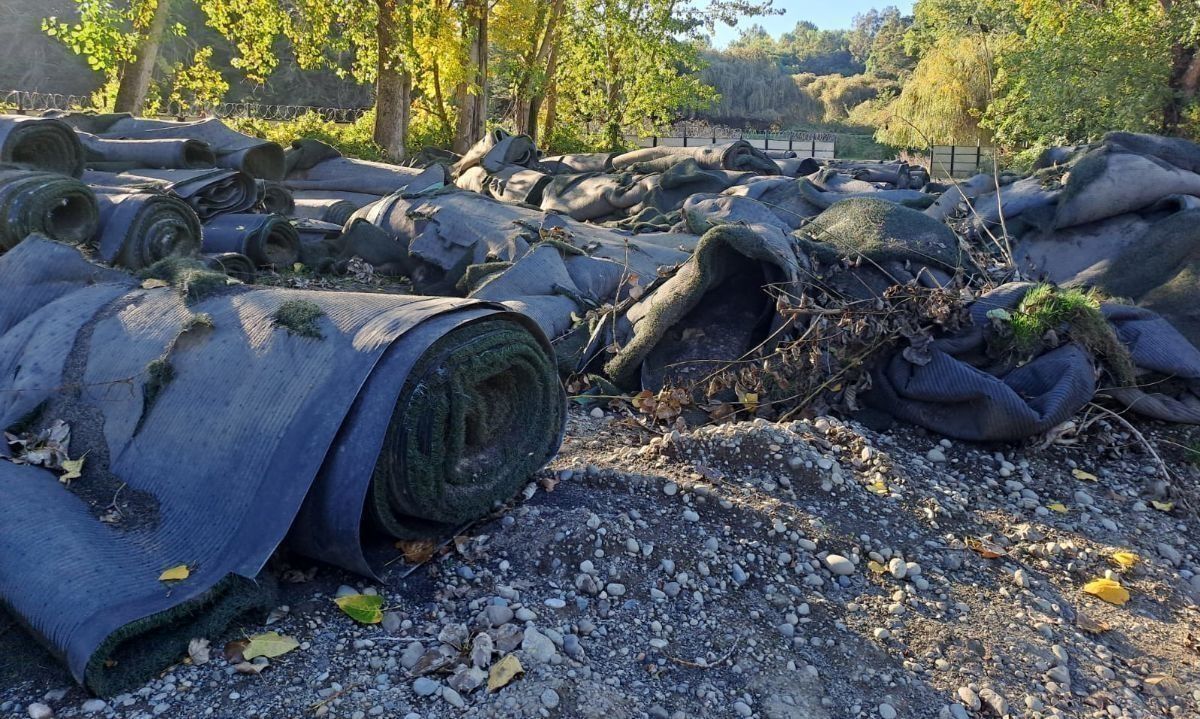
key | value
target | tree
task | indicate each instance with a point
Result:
(122, 43)
(1043, 96)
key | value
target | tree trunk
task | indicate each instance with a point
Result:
(472, 96)
(551, 111)
(393, 84)
(535, 102)
(137, 73)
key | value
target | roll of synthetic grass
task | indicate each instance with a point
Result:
(210, 192)
(273, 197)
(234, 264)
(168, 154)
(60, 207)
(331, 210)
(268, 240)
(40, 142)
(226, 416)
(138, 229)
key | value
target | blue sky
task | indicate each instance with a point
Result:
(825, 14)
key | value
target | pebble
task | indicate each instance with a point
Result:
(969, 698)
(1021, 579)
(615, 589)
(887, 711)
(498, 615)
(549, 698)
(936, 455)
(37, 710)
(538, 646)
(897, 568)
(691, 515)
(91, 706)
(597, 412)
(743, 709)
(424, 686)
(555, 603)
(839, 565)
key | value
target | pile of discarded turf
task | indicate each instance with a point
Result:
(729, 281)
(226, 415)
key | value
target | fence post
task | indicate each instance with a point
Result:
(654, 141)
(685, 135)
(812, 152)
(952, 153)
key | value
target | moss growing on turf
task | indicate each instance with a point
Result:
(198, 321)
(1046, 308)
(159, 374)
(299, 317)
(189, 276)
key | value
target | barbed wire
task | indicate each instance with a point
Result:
(26, 101)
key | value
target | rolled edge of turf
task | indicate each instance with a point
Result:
(234, 264)
(462, 441)
(139, 229)
(141, 648)
(268, 240)
(42, 142)
(59, 207)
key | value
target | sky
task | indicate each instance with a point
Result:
(825, 14)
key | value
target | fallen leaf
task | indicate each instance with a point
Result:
(154, 283)
(417, 551)
(548, 483)
(986, 549)
(504, 671)
(270, 645)
(235, 651)
(879, 487)
(1108, 590)
(1164, 685)
(251, 667)
(1085, 476)
(175, 574)
(876, 567)
(199, 651)
(277, 614)
(1057, 507)
(1125, 560)
(1089, 625)
(1162, 506)
(362, 608)
(73, 469)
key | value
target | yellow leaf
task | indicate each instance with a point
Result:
(1162, 506)
(269, 645)
(297, 266)
(1125, 560)
(417, 551)
(1086, 476)
(362, 608)
(153, 284)
(73, 469)
(175, 574)
(876, 567)
(1108, 590)
(504, 671)
(1057, 507)
(1164, 685)
(879, 488)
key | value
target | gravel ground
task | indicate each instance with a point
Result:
(802, 570)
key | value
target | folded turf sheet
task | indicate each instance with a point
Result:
(221, 410)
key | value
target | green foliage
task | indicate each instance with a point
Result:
(197, 86)
(352, 139)
(942, 101)
(1046, 309)
(1045, 95)
(106, 33)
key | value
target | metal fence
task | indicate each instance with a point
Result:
(25, 101)
(960, 160)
